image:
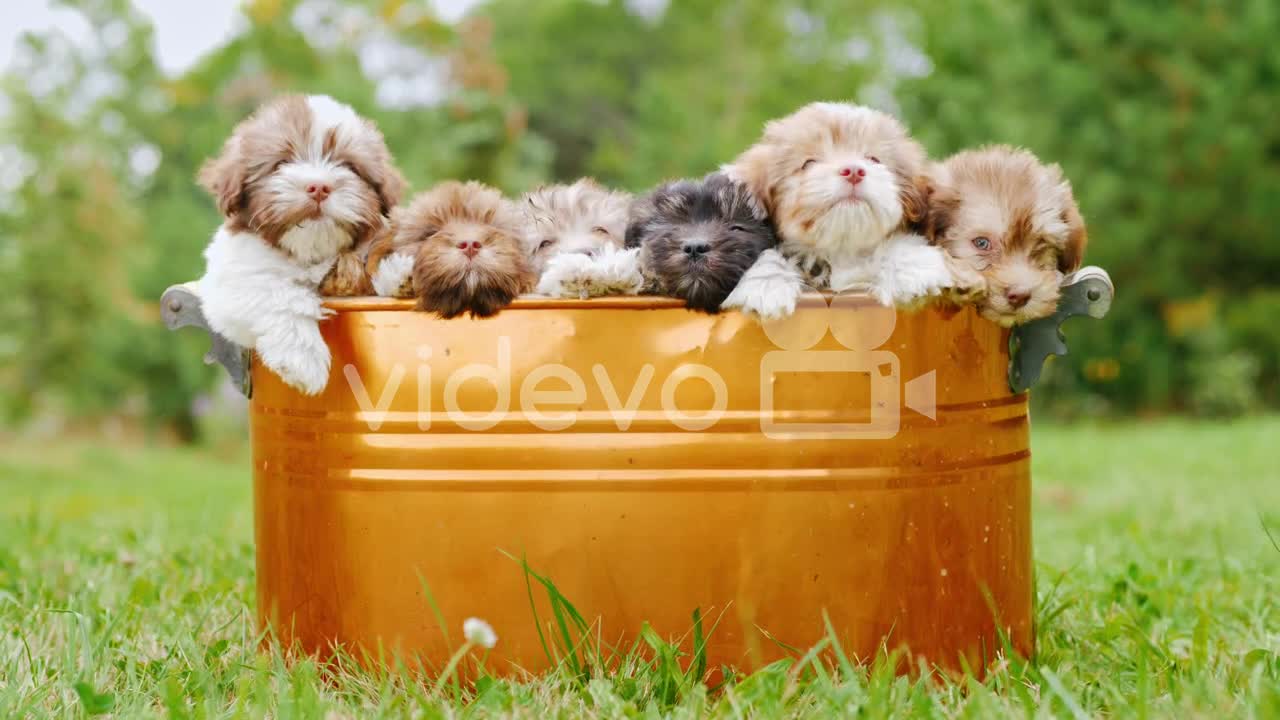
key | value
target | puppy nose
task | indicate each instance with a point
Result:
(1017, 298)
(471, 249)
(696, 249)
(853, 174)
(318, 191)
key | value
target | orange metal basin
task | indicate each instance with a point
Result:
(693, 463)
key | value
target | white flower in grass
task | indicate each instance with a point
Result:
(479, 632)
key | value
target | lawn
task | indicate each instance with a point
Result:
(126, 587)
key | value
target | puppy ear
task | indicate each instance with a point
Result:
(379, 170)
(944, 202)
(914, 194)
(1077, 238)
(754, 170)
(225, 177)
(635, 233)
(382, 246)
(390, 188)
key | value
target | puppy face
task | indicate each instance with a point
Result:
(698, 237)
(578, 218)
(306, 174)
(837, 179)
(1014, 221)
(468, 255)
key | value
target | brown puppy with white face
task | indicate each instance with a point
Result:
(1003, 214)
(457, 248)
(300, 184)
(845, 186)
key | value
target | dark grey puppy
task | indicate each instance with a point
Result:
(697, 238)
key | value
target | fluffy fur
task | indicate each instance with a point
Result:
(1003, 215)
(843, 184)
(698, 237)
(457, 248)
(608, 271)
(300, 182)
(349, 276)
(574, 236)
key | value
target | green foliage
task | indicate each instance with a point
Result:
(1162, 114)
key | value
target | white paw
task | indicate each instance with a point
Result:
(306, 372)
(769, 289)
(393, 278)
(911, 271)
(609, 272)
(564, 274)
(967, 286)
(858, 276)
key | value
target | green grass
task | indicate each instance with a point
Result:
(126, 588)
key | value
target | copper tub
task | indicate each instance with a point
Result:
(650, 461)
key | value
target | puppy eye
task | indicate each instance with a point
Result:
(546, 244)
(600, 230)
(982, 243)
(737, 228)
(808, 164)
(874, 159)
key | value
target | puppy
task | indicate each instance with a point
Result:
(301, 181)
(457, 248)
(574, 237)
(1013, 222)
(697, 238)
(845, 187)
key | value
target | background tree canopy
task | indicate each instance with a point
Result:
(1162, 114)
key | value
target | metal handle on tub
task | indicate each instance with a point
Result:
(1087, 291)
(180, 306)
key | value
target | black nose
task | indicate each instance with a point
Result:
(696, 249)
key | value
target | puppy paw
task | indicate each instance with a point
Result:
(768, 291)
(394, 276)
(911, 273)
(577, 275)
(294, 349)
(967, 287)
(853, 277)
(310, 377)
(564, 275)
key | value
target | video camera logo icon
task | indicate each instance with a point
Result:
(860, 325)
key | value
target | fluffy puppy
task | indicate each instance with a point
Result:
(1002, 214)
(697, 238)
(844, 185)
(300, 182)
(456, 248)
(574, 237)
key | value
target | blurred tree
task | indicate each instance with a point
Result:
(1163, 114)
(109, 214)
(636, 92)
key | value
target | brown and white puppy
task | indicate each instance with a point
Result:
(300, 182)
(1001, 213)
(457, 248)
(845, 186)
(574, 235)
